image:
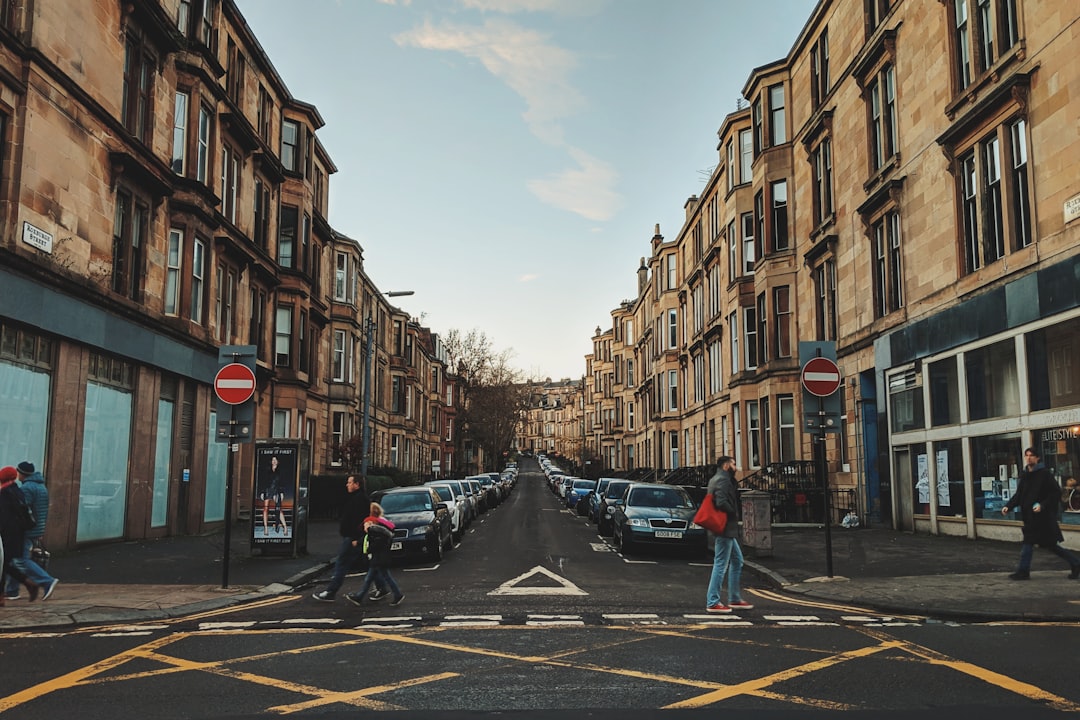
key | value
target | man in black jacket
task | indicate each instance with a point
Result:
(727, 555)
(352, 537)
(1037, 495)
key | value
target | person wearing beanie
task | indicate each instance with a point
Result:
(12, 532)
(32, 483)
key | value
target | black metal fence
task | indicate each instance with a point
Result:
(797, 496)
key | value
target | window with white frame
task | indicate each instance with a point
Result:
(736, 421)
(884, 139)
(750, 327)
(733, 341)
(782, 320)
(731, 164)
(673, 390)
(697, 298)
(172, 272)
(673, 447)
(283, 336)
(733, 252)
(281, 424)
(673, 329)
(746, 156)
(821, 158)
(202, 168)
(748, 242)
(341, 349)
(699, 378)
(630, 372)
(777, 118)
(753, 429)
(672, 276)
(716, 367)
(179, 139)
(630, 415)
(781, 240)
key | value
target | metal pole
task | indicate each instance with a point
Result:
(228, 517)
(819, 445)
(369, 328)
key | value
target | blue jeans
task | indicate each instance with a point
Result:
(381, 577)
(727, 560)
(1025, 556)
(346, 556)
(32, 570)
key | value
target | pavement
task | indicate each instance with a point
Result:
(893, 572)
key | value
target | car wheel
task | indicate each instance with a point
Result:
(622, 541)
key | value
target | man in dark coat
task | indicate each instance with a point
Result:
(12, 531)
(351, 528)
(1037, 496)
(727, 555)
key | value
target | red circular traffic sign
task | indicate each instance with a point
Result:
(234, 384)
(820, 377)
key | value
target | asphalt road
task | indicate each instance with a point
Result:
(534, 613)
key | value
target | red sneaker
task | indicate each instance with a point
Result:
(719, 608)
(740, 605)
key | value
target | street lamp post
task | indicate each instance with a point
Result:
(369, 352)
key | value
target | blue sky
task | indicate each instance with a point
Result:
(508, 159)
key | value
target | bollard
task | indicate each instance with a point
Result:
(757, 522)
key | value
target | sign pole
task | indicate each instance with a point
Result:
(821, 378)
(228, 516)
(234, 386)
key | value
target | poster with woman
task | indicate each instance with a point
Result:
(274, 501)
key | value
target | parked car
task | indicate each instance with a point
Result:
(465, 490)
(422, 525)
(654, 514)
(612, 496)
(577, 492)
(595, 499)
(478, 493)
(455, 503)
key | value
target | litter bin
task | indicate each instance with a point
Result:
(757, 522)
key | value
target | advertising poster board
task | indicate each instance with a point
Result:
(279, 504)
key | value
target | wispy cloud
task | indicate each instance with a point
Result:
(558, 7)
(586, 190)
(539, 71)
(528, 278)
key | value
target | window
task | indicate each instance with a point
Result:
(996, 206)
(283, 336)
(733, 252)
(733, 337)
(716, 367)
(906, 401)
(763, 330)
(673, 329)
(340, 362)
(629, 373)
(819, 69)
(179, 142)
(305, 244)
(172, 271)
(993, 386)
(290, 215)
(780, 238)
(673, 446)
(397, 395)
(759, 136)
(753, 430)
(944, 393)
(264, 114)
(876, 10)
(304, 351)
(883, 129)
(821, 157)
(777, 119)
(759, 225)
(137, 101)
(344, 289)
(226, 302)
(230, 171)
(672, 278)
(699, 378)
(750, 333)
(748, 243)
(183, 17)
(263, 199)
(1020, 198)
(281, 424)
(202, 170)
(206, 23)
(255, 326)
(198, 288)
(673, 390)
(888, 275)
(766, 431)
(630, 415)
(782, 320)
(825, 300)
(736, 419)
(729, 154)
(290, 133)
(234, 80)
(746, 156)
(785, 411)
(128, 247)
(963, 43)
(1053, 374)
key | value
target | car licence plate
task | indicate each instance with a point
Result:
(395, 546)
(668, 534)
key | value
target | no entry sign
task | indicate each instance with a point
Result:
(234, 384)
(820, 377)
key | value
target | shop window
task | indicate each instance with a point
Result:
(217, 464)
(1053, 377)
(995, 462)
(1061, 455)
(944, 393)
(992, 384)
(159, 508)
(949, 481)
(25, 379)
(906, 402)
(105, 448)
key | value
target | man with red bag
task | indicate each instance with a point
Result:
(727, 555)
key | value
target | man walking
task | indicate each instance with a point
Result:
(351, 529)
(727, 555)
(1037, 495)
(37, 497)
